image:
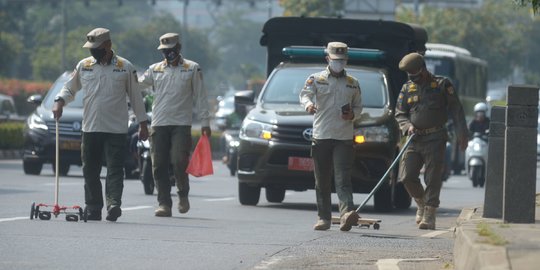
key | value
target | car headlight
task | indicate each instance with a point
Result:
(253, 130)
(371, 134)
(35, 122)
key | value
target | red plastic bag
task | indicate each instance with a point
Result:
(201, 160)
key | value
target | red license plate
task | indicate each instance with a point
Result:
(300, 164)
(70, 145)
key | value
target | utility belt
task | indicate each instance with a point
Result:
(427, 131)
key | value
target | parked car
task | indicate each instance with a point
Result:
(7, 108)
(40, 131)
(225, 108)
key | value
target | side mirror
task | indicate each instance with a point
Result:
(246, 97)
(35, 99)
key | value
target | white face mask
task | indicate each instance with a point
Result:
(337, 65)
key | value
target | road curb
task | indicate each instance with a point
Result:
(469, 250)
(10, 154)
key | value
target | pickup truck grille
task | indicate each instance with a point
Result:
(65, 128)
(290, 134)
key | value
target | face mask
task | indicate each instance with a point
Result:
(416, 78)
(170, 55)
(98, 54)
(337, 66)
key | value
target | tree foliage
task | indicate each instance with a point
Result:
(312, 8)
(496, 32)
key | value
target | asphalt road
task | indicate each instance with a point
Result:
(217, 233)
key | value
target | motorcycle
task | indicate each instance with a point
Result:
(476, 157)
(232, 142)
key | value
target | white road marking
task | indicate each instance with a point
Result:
(266, 264)
(434, 233)
(220, 199)
(392, 264)
(13, 219)
(136, 208)
(140, 207)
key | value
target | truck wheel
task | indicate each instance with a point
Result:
(383, 199)
(63, 167)
(146, 177)
(32, 167)
(402, 199)
(275, 194)
(248, 195)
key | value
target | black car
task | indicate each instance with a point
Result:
(40, 129)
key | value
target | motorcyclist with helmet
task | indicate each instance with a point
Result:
(480, 123)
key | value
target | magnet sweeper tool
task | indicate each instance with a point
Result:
(45, 211)
(367, 222)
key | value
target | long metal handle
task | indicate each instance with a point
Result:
(396, 160)
(57, 164)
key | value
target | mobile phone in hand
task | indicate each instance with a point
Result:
(346, 108)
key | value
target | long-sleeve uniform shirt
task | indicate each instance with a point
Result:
(329, 94)
(176, 90)
(426, 108)
(105, 88)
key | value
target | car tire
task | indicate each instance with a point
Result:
(248, 195)
(32, 167)
(275, 194)
(63, 167)
(146, 177)
(383, 199)
(402, 199)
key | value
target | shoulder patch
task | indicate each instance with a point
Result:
(119, 63)
(411, 87)
(350, 79)
(434, 84)
(450, 90)
(310, 81)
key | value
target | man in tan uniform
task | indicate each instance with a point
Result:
(335, 99)
(105, 79)
(178, 86)
(422, 109)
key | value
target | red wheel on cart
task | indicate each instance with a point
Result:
(32, 211)
(45, 215)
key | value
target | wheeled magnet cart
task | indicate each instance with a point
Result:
(46, 211)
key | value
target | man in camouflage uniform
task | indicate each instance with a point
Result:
(422, 109)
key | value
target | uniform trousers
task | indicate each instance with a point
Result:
(333, 158)
(431, 154)
(96, 146)
(170, 146)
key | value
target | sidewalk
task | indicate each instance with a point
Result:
(486, 243)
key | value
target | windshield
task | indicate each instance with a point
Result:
(285, 86)
(55, 89)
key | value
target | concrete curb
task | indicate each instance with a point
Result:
(11, 154)
(469, 251)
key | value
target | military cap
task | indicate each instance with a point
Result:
(96, 37)
(168, 41)
(412, 63)
(337, 50)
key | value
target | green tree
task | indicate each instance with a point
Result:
(10, 46)
(312, 8)
(242, 57)
(494, 32)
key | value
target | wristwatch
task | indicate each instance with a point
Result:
(58, 98)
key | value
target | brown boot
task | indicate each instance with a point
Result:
(322, 225)
(428, 221)
(348, 220)
(183, 205)
(419, 209)
(163, 211)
